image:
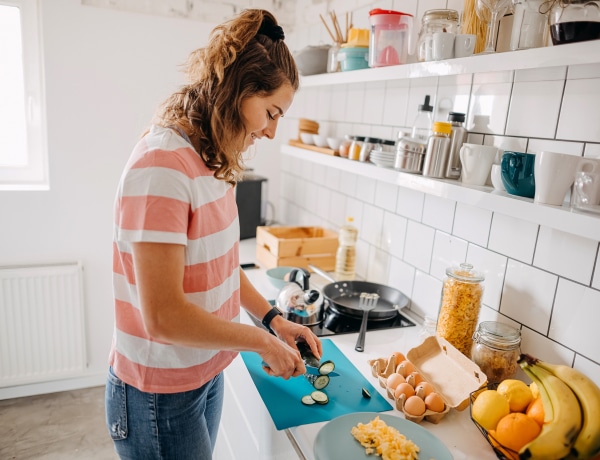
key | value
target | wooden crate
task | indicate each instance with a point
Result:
(296, 247)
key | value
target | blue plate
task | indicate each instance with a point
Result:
(334, 440)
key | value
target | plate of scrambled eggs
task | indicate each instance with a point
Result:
(372, 436)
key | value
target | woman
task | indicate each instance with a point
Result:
(177, 281)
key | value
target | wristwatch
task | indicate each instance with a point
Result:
(266, 321)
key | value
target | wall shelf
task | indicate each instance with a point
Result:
(551, 56)
(561, 218)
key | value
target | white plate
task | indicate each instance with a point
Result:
(334, 440)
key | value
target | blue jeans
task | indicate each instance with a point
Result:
(155, 426)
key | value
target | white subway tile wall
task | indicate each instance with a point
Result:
(542, 280)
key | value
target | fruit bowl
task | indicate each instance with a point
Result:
(502, 452)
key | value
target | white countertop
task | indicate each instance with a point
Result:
(456, 430)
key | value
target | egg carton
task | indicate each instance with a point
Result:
(453, 376)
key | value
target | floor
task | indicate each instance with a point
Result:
(61, 426)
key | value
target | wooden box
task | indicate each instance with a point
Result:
(296, 247)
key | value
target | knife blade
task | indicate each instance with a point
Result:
(311, 370)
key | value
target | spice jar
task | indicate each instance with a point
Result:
(459, 311)
(496, 350)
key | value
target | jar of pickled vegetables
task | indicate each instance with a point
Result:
(496, 350)
(459, 310)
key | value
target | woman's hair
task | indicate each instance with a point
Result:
(245, 57)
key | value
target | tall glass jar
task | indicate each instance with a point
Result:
(434, 21)
(459, 310)
(496, 350)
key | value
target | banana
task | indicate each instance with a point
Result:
(587, 443)
(557, 437)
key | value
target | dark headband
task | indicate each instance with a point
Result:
(274, 32)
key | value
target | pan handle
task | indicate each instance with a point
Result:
(323, 273)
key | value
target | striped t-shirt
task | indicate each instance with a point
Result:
(168, 195)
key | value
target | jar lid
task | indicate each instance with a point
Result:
(497, 335)
(377, 11)
(465, 273)
(359, 138)
(433, 15)
(387, 142)
(372, 140)
(442, 127)
(456, 116)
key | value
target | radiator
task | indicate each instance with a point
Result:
(41, 323)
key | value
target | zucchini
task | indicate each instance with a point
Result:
(326, 368)
(308, 400)
(319, 397)
(366, 393)
(318, 381)
(307, 355)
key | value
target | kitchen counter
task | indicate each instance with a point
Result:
(456, 430)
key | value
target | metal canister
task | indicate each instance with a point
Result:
(457, 138)
(438, 148)
(409, 155)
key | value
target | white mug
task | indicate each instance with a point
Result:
(554, 174)
(591, 165)
(476, 163)
(443, 46)
(496, 177)
(464, 45)
(586, 191)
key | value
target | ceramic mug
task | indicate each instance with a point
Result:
(464, 45)
(442, 46)
(554, 174)
(586, 191)
(476, 163)
(496, 177)
(591, 165)
(517, 173)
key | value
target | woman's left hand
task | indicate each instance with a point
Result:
(291, 333)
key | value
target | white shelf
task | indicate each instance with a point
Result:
(562, 55)
(562, 218)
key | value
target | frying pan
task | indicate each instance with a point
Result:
(343, 297)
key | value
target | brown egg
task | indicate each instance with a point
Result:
(414, 378)
(404, 389)
(423, 389)
(394, 380)
(405, 368)
(414, 406)
(399, 357)
(434, 402)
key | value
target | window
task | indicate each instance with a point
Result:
(23, 149)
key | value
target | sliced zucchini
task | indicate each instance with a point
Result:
(326, 368)
(307, 355)
(308, 400)
(319, 397)
(318, 381)
(366, 393)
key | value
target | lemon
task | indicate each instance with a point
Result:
(489, 407)
(517, 393)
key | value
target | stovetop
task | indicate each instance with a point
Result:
(334, 323)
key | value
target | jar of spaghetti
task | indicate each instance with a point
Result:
(496, 350)
(459, 310)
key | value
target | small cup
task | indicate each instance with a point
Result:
(517, 173)
(464, 45)
(443, 46)
(554, 174)
(586, 191)
(476, 163)
(496, 177)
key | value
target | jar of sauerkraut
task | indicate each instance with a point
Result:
(459, 310)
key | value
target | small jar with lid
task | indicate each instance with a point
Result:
(355, 147)
(496, 350)
(368, 145)
(462, 292)
(435, 21)
(385, 145)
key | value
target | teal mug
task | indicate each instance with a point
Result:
(517, 173)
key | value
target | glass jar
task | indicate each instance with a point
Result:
(368, 145)
(575, 21)
(530, 25)
(355, 147)
(459, 310)
(496, 350)
(434, 21)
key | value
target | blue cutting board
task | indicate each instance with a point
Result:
(283, 397)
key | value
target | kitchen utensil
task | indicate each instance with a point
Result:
(464, 45)
(554, 174)
(310, 370)
(367, 302)
(442, 46)
(574, 21)
(297, 302)
(325, 447)
(476, 163)
(517, 173)
(312, 60)
(282, 398)
(530, 25)
(277, 276)
(491, 11)
(343, 297)
(410, 153)
(586, 192)
(391, 37)
(353, 57)
(435, 21)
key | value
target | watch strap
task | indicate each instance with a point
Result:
(266, 321)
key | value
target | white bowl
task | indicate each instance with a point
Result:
(307, 138)
(334, 143)
(320, 140)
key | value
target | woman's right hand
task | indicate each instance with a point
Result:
(282, 360)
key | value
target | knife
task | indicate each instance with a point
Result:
(311, 370)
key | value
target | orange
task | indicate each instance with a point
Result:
(535, 410)
(507, 453)
(516, 429)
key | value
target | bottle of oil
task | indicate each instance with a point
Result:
(345, 259)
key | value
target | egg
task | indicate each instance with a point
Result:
(434, 402)
(405, 368)
(414, 378)
(394, 380)
(404, 389)
(399, 357)
(423, 389)
(414, 406)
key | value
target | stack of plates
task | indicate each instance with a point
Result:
(383, 159)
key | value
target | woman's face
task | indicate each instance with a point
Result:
(261, 114)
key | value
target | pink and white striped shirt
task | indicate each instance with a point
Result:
(168, 195)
